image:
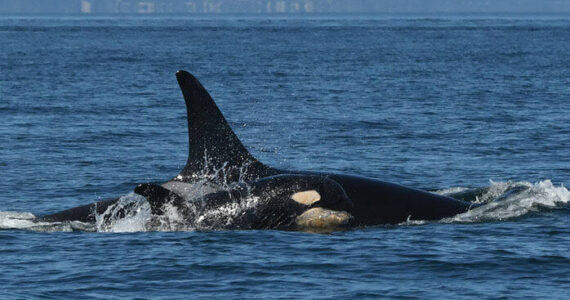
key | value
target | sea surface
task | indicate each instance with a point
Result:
(90, 107)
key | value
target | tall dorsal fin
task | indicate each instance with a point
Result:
(212, 144)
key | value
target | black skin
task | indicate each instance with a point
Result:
(274, 209)
(374, 202)
(377, 202)
(85, 213)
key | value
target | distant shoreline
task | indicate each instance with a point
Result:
(525, 16)
(278, 7)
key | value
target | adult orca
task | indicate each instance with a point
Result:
(217, 157)
(213, 146)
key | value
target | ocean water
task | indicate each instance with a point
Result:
(90, 107)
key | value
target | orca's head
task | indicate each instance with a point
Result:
(325, 193)
(324, 206)
(302, 202)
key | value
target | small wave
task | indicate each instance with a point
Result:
(503, 201)
(507, 200)
(26, 221)
(16, 220)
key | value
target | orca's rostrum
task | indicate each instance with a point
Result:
(287, 199)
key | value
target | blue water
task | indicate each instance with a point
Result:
(89, 107)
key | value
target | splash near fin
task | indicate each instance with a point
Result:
(213, 146)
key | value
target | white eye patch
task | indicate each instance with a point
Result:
(306, 197)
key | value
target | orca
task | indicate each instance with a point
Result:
(214, 146)
(217, 157)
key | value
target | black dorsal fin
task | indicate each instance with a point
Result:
(213, 145)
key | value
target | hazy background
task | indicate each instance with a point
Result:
(284, 6)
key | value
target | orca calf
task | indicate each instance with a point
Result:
(217, 156)
(288, 202)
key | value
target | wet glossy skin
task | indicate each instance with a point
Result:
(372, 201)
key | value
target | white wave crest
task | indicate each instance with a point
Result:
(506, 200)
(26, 221)
(16, 220)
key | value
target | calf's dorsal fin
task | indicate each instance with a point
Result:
(157, 196)
(213, 147)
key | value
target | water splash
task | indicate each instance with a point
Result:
(130, 214)
(225, 215)
(221, 177)
(507, 200)
(26, 221)
(14, 219)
